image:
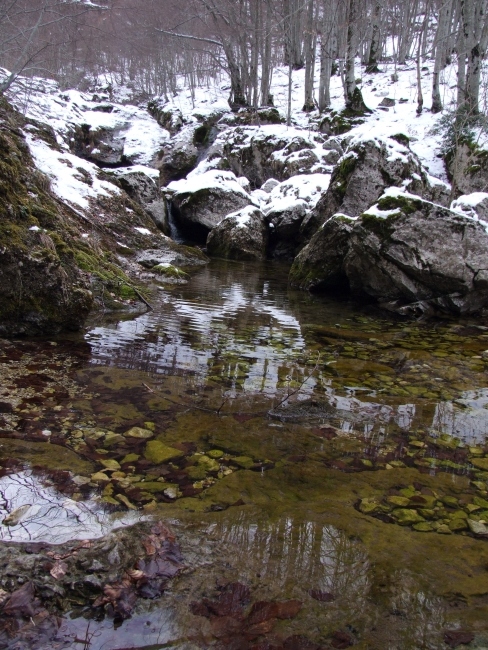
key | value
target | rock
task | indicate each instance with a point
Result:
(171, 253)
(157, 452)
(99, 477)
(253, 117)
(368, 167)
(477, 527)
(100, 145)
(110, 465)
(400, 502)
(469, 169)
(269, 185)
(480, 463)
(167, 116)
(140, 433)
(15, 517)
(245, 462)
(387, 102)
(472, 205)
(286, 208)
(320, 265)
(423, 527)
(179, 156)
(209, 464)
(415, 257)
(458, 524)
(242, 235)
(202, 201)
(406, 516)
(271, 152)
(455, 638)
(215, 453)
(369, 506)
(144, 190)
(444, 529)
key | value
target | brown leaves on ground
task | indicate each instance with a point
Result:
(149, 576)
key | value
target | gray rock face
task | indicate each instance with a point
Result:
(242, 235)
(285, 228)
(469, 170)
(143, 189)
(320, 265)
(169, 117)
(408, 254)
(472, 205)
(362, 175)
(169, 252)
(276, 152)
(200, 203)
(179, 156)
(102, 146)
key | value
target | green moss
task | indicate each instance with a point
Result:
(405, 204)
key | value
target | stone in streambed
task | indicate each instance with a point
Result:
(140, 433)
(406, 516)
(157, 452)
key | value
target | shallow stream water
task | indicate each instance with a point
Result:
(310, 449)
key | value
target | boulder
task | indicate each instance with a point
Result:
(468, 168)
(286, 207)
(171, 253)
(363, 173)
(200, 202)
(101, 145)
(414, 256)
(253, 117)
(143, 189)
(166, 115)
(179, 156)
(242, 235)
(410, 255)
(273, 152)
(319, 266)
(473, 205)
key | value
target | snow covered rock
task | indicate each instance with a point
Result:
(272, 152)
(407, 253)
(286, 207)
(169, 117)
(242, 235)
(406, 250)
(201, 201)
(369, 166)
(269, 185)
(101, 145)
(253, 117)
(143, 189)
(179, 156)
(473, 205)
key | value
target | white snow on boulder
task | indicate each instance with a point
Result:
(213, 179)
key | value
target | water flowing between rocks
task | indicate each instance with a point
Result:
(322, 467)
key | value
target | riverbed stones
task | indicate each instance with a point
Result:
(242, 235)
(480, 463)
(157, 452)
(406, 516)
(139, 433)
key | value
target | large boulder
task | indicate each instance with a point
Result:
(473, 205)
(468, 167)
(42, 289)
(370, 166)
(100, 145)
(409, 254)
(201, 201)
(285, 208)
(173, 254)
(320, 265)
(144, 190)
(277, 152)
(242, 235)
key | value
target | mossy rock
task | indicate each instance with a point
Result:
(480, 463)
(406, 516)
(157, 452)
(244, 462)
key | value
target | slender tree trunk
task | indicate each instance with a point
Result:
(309, 47)
(441, 42)
(476, 54)
(266, 68)
(353, 95)
(375, 47)
(328, 51)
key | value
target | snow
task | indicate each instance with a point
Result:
(213, 179)
(302, 189)
(63, 169)
(143, 231)
(242, 217)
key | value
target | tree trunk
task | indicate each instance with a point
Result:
(375, 47)
(328, 51)
(476, 54)
(353, 95)
(309, 47)
(441, 41)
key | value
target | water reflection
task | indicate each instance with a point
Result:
(38, 512)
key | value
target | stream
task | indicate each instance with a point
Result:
(312, 451)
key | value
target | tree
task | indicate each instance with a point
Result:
(353, 95)
(29, 29)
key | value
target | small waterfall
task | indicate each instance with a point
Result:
(174, 231)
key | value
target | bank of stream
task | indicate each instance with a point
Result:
(320, 468)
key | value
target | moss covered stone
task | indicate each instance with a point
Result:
(157, 452)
